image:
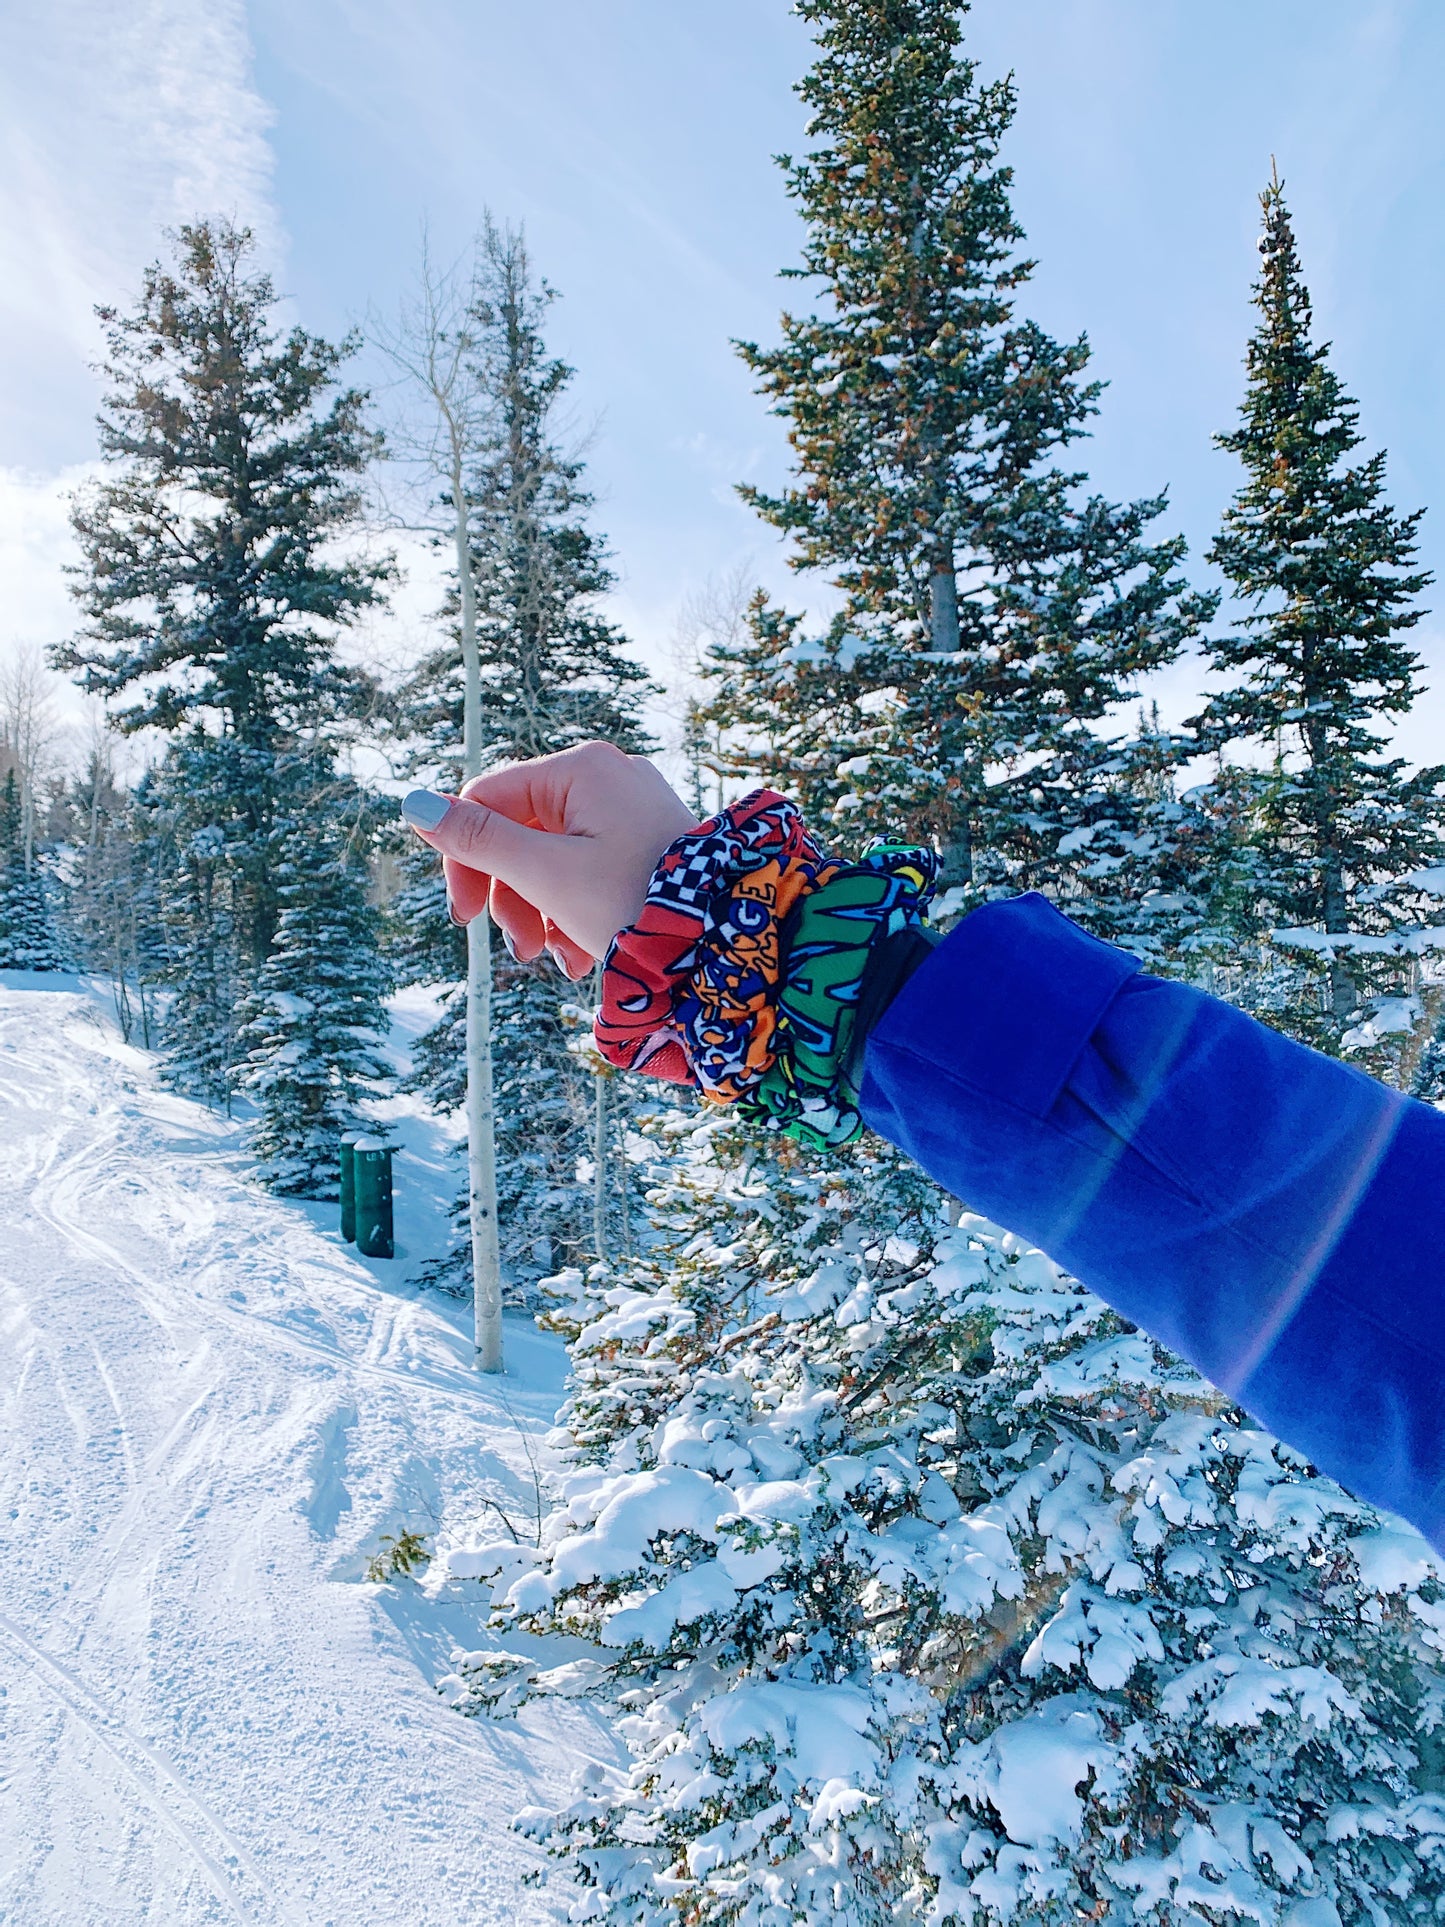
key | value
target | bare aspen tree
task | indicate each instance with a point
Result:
(602, 1175)
(712, 618)
(29, 731)
(114, 883)
(433, 345)
(526, 390)
(552, 666)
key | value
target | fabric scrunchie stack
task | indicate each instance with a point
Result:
(742, 974)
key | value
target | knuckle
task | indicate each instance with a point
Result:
(599, 752)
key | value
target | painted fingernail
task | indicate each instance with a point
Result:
(424, 809)
(510, 942)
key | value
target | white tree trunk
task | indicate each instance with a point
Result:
(481, 1116)
(482, 1149)
(27, 727)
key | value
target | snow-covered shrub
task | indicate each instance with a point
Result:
(928, 1590)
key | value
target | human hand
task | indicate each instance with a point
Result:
(561, 850)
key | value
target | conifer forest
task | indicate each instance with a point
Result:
(893, 1577)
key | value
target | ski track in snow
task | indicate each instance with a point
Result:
(210, 1408)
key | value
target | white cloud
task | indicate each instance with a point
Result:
(115, 121)
(118, 118)
(35, 545)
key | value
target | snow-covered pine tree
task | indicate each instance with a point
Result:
(213, 586)
(310, 1029)
(1429, 1082)
(925, 1588)
(993, 613)
(1317, 667)
(29, 939)
(928, 1591)
(554, 672)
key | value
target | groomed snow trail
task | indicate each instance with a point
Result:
(209, 1411)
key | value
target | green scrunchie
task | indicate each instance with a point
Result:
(833, 934)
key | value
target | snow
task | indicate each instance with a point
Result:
(212, 1411)
(822, 1731)
(1395, 1560)
(1030, 1771)
(1342, 943)
(633, 1510)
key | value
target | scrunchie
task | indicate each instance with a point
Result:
(743, 973)
(689, 991)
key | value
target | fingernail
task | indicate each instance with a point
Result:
(510, 942)
(424, 809)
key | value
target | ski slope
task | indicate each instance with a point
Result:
(210, 1408)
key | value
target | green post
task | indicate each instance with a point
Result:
(372, 1162)
(348, 1187)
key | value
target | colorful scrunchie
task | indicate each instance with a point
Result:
(689, 991)
(743, 973)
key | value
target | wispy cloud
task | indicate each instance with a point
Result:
(118, 118)
(115, 121)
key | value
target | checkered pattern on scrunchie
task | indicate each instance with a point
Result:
(689, 992)
(743, 973)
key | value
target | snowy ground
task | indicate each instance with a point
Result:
(210, 1408)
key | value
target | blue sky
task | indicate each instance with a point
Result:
(634, 141)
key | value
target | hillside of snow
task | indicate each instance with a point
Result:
(210, 1410)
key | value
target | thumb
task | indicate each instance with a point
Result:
(485, 840)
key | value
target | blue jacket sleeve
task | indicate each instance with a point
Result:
(1276, 1217)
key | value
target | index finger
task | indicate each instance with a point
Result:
(466, 890)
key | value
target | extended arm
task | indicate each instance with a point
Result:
(1272, 1215)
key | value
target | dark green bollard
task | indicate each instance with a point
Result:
(372, 1162)
(348, 1187)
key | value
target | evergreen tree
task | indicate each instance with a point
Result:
(199, 851)
(929, 1591)
(28, 936)
(213, 589)
(991, 613)
(1317, 667)
(422, 942)
(1429, 1080)
(554, 673)
(311, 1028)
